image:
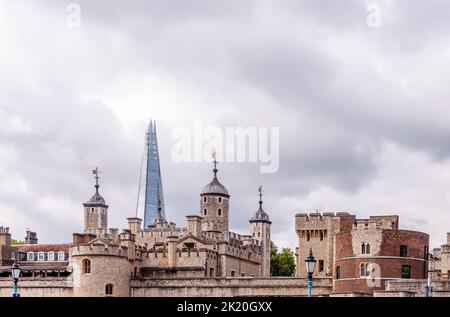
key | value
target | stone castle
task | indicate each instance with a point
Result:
(355, 257)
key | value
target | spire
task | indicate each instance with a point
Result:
(215, 170)
(260, 189)
(260, 215)
(96, 172)
(158, 197)
(97, 199)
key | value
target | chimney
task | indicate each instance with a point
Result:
(448, 237)
(134, 224)
(5, 236)
(194, 225)
(172, 250)
(31, 237)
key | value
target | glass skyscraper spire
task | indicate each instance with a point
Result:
(153, 181)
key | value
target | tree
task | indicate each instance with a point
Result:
(281, 264)
(17, 242)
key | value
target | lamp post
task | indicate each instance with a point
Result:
(429, 287)
(15, 272)
(310, 265)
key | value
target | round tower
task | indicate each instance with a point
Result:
(214, 204)
(260, 230)
(96, 212)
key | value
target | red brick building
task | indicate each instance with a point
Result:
(375, 251)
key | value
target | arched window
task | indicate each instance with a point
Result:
(220, 199)
(363, 248)
(204, 199)
(368, 248)
(86, 266)
(259, 234)
(363, 269)
(109, 289)
(205, 211)
(219, 212)
(321, 235)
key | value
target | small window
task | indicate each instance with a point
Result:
(51, 256)
(406, 271)
(403, 251)
(363, 248)
(205, 212)
(321, 235)
(259, 234)
(220, 199)
(219, 212)
(243, 274)
(109, 289)
(92, 210)
(30, 256)
(204, 199)
(86, 266)
(338, 272)
(363, 269)
(321, 265)
(308, 236)
(41, 256)
(61, 256)
(233, 273)
(211, 272)
(368, 248)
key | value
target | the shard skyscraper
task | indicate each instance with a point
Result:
(153, 181)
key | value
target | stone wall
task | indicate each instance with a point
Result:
(43, 287)
(228, 287)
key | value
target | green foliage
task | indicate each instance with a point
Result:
(17, 242)
(281, 264)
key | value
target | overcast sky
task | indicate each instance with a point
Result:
(363, 112)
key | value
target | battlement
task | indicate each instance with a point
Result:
(99, 249)
(377, 222)
(4, 230)
(316, 216)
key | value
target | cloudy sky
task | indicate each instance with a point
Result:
(363, 111)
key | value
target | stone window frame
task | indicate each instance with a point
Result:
(86, 265)
(219, 212)
(205, 211)
(364, 270)
(321, 267)
(408, 267)
(109, 289)
(220, 199)
(205, 199)
(404, 251)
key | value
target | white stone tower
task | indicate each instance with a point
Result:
(96, 212)
(260, 230)
(214, 205)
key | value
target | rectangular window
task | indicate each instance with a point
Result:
(51, 256)
(30, 256)
(243, 274)
(403, 251)
(321, 265)
(406, 271)
(338, 272)
(61, 256)
(41, 256)
(233, 273)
